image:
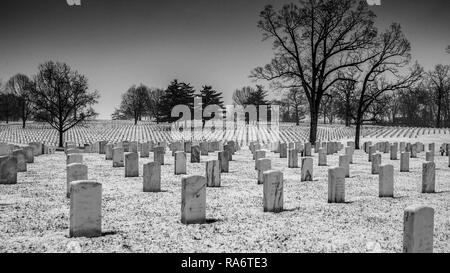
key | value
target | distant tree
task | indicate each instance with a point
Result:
(241, 96)
(20, 85)
(134, 103)
(258, 98)
(58, 93)
(297, 99)
(210, 97)
(328, 108)
(389, 53)
(8, 106)
(154, 101)
(177, 93)
(346, 98)
(440, 83)
(118, 115)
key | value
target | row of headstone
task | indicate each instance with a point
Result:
(86, 214)
(14, 159)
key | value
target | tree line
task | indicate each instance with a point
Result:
(140, 102)
(57, 95)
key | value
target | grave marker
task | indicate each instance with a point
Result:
(322, 157)
(118, 158)
(213, 173)
(131, 164)
(336, 185)
(8, 170)
(193, 200)
(21, 160)
(386, 181)
(344, 162)
(85, 209)
(264, 165)
(376, 162)
(195, 154)
(273, 191)
(307, 169)
(75, 172)
(223, 161)
(428, 177)
(258, 155)
(293, 158)
(180, 163)
(418, 229)
(152, 177)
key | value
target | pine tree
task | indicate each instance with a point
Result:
(257, 98)
(177, 93)
(210, 97)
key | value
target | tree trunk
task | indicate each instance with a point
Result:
(438, 121)
(313, 126)
(358, 130)
(297, 117)
(24, 114)
(347, 113)
(61, 139)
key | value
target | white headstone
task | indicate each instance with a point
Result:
(336, 185)
(307, 169)
(429, 177)
(273, 191)
(180, 163)
(213, 173)
(85, 209)
(193, 200)
(418, 229)
(8, 170)
(152, 177)
(264, 165)
(293, 158)
(404, 162)
(376, 162)
(386, 181)
(118, 158)
(75, 172)
(131, 164)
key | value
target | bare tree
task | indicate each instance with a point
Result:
(440, 82)
(313, 43)
(134, 102)
(58, 93)
(241, 96)
(20, 85)
(297, 99)
(389, 54)
(8, 103)
(154, 101)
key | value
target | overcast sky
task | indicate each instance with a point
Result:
(118, 43)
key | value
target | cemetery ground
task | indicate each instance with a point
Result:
(35, 211)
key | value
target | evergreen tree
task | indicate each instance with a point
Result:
(177, 93)
(210, 97)
(257, 98)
